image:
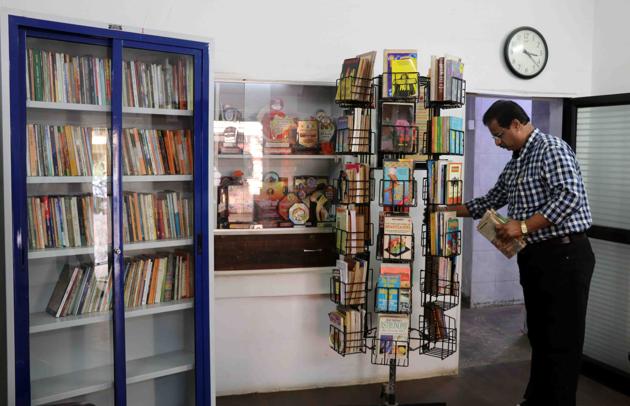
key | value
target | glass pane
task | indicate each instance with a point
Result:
(158, 188)
(69, 217)
(602, 149)
(275, 161)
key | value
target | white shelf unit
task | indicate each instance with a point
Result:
(129, 247)
(105, 108)
(41, 322)
(287, 156)
(90, 179)
(88, 381)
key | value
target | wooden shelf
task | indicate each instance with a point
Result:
(83, 382)
(90, 179)
(42, 322)
(128, 247)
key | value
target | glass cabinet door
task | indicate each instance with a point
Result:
(158, 195)
(68, 203)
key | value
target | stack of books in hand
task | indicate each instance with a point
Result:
(487, 226)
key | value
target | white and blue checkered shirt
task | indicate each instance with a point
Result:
(544, 177)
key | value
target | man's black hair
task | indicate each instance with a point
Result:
(505, 111)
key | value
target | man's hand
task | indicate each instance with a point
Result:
(508, 231)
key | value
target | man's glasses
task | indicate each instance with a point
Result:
(498, 136)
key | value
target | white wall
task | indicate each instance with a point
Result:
(278, 40)
(611, 45)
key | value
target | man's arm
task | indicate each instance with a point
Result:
(512, 229)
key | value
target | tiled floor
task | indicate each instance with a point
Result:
(494, 367)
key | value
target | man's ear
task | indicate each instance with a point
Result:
(515, 124)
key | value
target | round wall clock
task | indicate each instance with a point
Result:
(526, 52)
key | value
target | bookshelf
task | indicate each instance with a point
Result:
(109, 184)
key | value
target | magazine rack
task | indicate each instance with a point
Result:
(436, 334)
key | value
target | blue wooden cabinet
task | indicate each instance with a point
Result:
(109, 180)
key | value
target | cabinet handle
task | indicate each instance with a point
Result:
(317, 250)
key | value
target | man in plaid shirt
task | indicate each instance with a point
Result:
(547, 203)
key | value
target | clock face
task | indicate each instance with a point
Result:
(526, 52)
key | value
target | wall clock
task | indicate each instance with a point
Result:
(526, 52)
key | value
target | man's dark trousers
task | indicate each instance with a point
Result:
(555, 276)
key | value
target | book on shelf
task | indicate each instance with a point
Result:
(392, 333)
(400, 73)
(397, 238)
(81, 289)
(354, 184)
(447, 135)
(352, 273)
(446, 78)
(435, 322)
(156, 216)
(445, 182)
(55, 150)
(398, 188)
(398, 131)
(393, 288)
(445, 233)
(59, 77)
(154, 279)
(62, 221)
(347, 334)
(440, 277)
(167, 84)
(350, 230)
(353, 132)
(355, 80)
(486, 227)
(157, 152)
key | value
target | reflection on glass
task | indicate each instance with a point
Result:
(270, 139)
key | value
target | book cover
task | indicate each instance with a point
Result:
(486, 227)
(398, 133)
(400, 73)
(397, 238)
(397, 182)
(393, 336)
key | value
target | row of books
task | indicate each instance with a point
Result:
(81, 289)
(157, 152)
(445, 182)
(354, 187)
(393, 289)
(392, 332)
(63, 78)
(445, 233)
(156, 216)
(354, 132)
(398, 183)
(67, 150)
(350, 230)
(397, 233)
(435, 323)
(355, 80)
(158, 279)
(346, 330)
(87, 288)
(163, 85)
(439, 277)
(61, 221)
(447, 135)
(447, 73)
(350, 276)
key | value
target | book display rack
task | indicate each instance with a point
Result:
(109, 173)
(400, 97)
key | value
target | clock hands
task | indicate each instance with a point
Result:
(530, 55)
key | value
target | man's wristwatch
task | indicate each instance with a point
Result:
(524, 229)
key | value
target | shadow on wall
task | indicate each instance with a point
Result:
(488, 277)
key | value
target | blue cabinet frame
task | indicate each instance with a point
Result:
(19, 29)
